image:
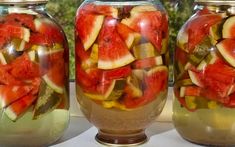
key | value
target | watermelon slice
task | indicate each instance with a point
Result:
(47, 101)
(190, 91)
(198, 28)
(19, 107)
(148, 62)
(118, 73)
(39, 39)
(182, 39)
(113, 52)
(100, 9)
(108, 90)
(155, 81)
(128, 35)
(103, 91)
(15, 31)
(196, 78)
(49, 30)
(149, 25)
(24, 68)
(26, 20)
(5, 76)
(55, 78)
(11, 93)
(87, 79)
(229, 28)
(88, 27)
(227, 50)
(81, 53)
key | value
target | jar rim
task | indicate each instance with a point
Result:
(216, 2)
(23, 1)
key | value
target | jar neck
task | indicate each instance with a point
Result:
(37, 7)
(216, 8)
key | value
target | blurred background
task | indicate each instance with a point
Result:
(64, 12)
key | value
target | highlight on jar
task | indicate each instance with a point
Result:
(33, 76)
(121, 67)
(204, 86)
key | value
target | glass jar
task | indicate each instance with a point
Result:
(34, 98)
(205, 75)
(121, 67)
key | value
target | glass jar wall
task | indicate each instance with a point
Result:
(205, 75)
(121, 67)
(33, 75)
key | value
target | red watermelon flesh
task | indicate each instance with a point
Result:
(227, 50)
(26, 20)
(3, 41)
(50, 31)
(113, 52)
(88, 27)
(56, 73)
(16, 109)
(198, 28)
(231, 102)
(217, 80)
(81, 53)
(86, 80)
(11, 93)
(35, 83)
(10, 30)
(127, 34)
(23, 68)
(148, 24)
(100, 9)
(181, 56)
(6, 78)
(118, 73)
(39, 39)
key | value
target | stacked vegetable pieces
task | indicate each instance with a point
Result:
(32, 65)
(204, 62)
(121, 54)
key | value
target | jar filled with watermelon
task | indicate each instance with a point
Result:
(121, 67)
(204, 88)
(33, 75)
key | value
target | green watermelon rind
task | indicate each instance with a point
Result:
(10, 114)
(52, 85)
(46, 102)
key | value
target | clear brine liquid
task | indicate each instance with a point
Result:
(40, 132)
(205, 125)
